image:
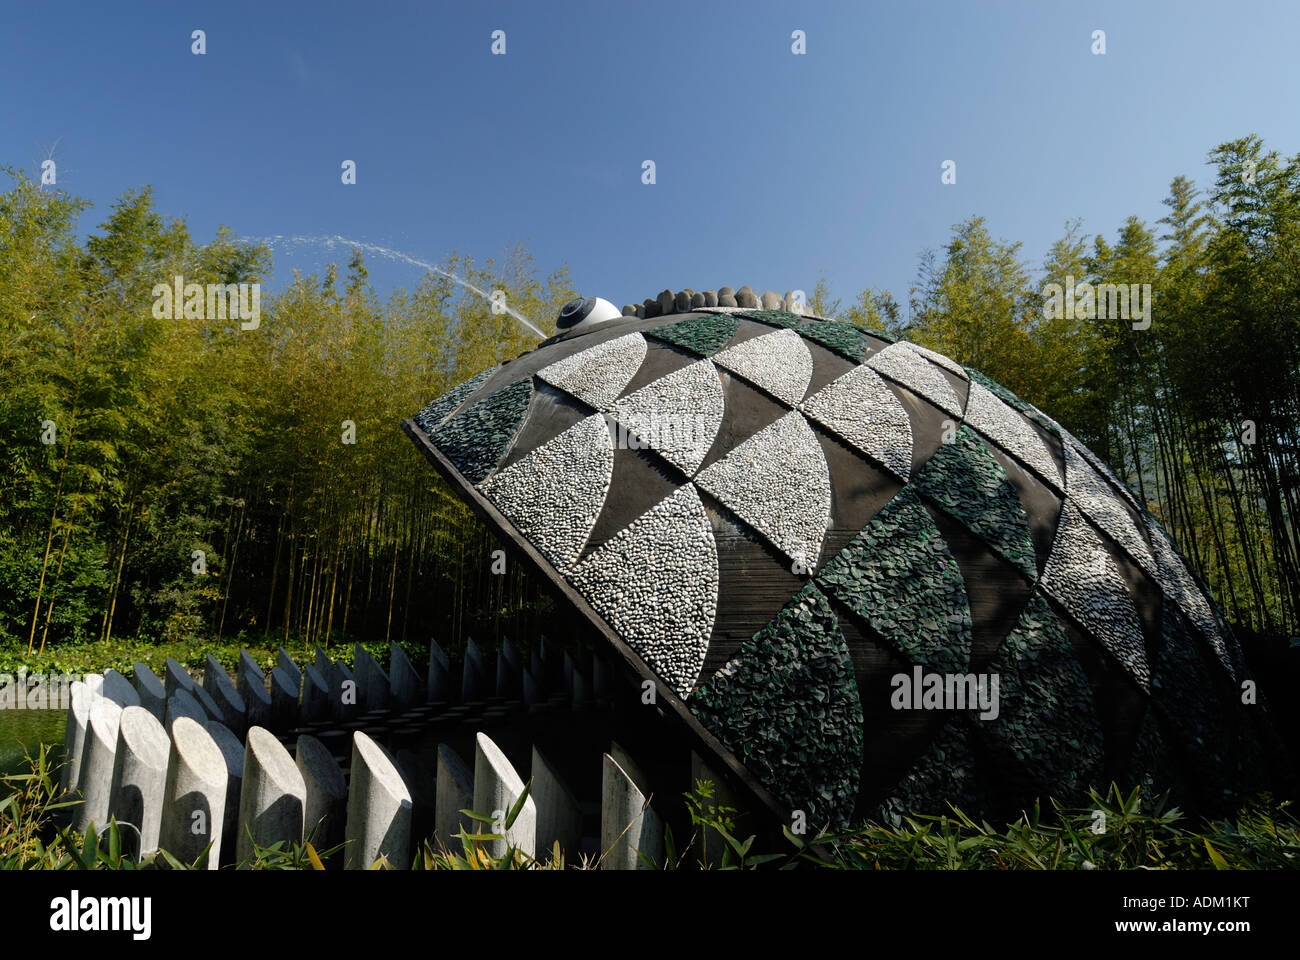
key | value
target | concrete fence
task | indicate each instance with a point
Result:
(377, 760)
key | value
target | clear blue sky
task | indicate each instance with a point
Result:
(771, 167)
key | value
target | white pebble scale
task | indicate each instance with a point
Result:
(656, 584)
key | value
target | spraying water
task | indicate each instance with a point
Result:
(391, 254)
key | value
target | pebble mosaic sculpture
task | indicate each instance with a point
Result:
(695, 474)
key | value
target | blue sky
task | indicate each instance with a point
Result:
(771, 167)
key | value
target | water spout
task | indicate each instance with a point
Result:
(391, 254)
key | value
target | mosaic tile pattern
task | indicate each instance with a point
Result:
(846, 339)
(666, 552)
(778, 362)
(431, 417)
(963, 478)
(476, 438)
(939, 358)
(900, 577)
(1117, 486)
(946, 773)
(1081, 576)
(788, 702)
(677, 416)
(861, 409)
(904, 365)
(776, 318)
(598, 375)
(555, 493)
(787, 705)
(1013, 401)
(999, 391)
(703, 334)
(777, 481)
(1180, 586)
(1185, 687)
(992, 417)
(1093, 496)
(1047, 716)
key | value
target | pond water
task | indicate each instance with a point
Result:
(25, 729)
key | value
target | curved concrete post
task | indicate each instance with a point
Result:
(181, 704)
(559, 818)
(74, 735)
(152, 693)
(232, 751)
(119, 689)
(379, 690)
(473, 677)
(345, 691)
(509, 671)
(272, 797)
(285, 663)
(250, 683)
(195, 796)
(176, 677)
(96, 781)
(284, 699)
(627, 822)
(208, 704)
(223, 693)
(455, 792)
(402, 678)
(379, 809)
(361, 661)
(315, 696)
(326, 811)
(496, 789)
(247, 663)
(139, 778)
(439, 683)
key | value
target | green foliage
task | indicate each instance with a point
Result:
(284, 856)
(1166, 405)
(30, 838)
(713, 826)
(475, 853)
(177, 435)
(977, 305)
(1114, 832)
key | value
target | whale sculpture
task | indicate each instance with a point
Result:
(868, 579)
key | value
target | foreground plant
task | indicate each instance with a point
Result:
(1116, 831)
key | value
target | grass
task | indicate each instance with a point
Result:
(121, 655)
(1116, 831)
